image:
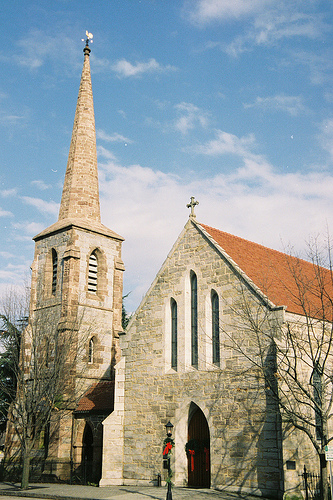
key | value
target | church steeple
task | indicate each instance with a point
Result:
(80, 196)
(77, 283)
(79, 205)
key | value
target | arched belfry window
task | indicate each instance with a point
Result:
(91, 350)
(174, 334)
(215, 328)
(92, 273)
(194, 320)
(54, 271)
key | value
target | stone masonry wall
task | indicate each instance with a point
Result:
(243, 429)
(72, 303)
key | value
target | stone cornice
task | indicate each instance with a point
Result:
(85, 225)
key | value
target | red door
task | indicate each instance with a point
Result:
(198, 451)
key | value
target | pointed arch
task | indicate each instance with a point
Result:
(198, 448)
(87, 452)
(174, 334)
(215, 306)
(93, 272)
(91, 349)
(96, 277)
(194, 319)
(54, 271)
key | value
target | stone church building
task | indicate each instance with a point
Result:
(189, 354)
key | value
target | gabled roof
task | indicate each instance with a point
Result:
(285, 280)
(99, 397)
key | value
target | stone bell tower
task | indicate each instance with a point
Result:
(77, 274)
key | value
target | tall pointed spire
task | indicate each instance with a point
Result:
(79, 205)
(80, 196)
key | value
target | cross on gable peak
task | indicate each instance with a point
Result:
(191, 205)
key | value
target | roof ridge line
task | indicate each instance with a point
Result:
(234, 264)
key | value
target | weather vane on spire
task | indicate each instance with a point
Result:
(89, 38)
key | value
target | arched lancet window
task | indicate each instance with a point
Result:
(174, 334)
(91, 350)
(194, 320)
(215, 328)
(54, 271)
(92, 273)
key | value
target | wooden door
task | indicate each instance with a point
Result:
(198, 451)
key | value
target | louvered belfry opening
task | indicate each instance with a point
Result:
(92, 273)
(54, 271)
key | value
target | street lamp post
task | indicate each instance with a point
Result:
(168, 442)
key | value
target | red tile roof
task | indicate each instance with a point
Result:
(274, 273)
(99, 397)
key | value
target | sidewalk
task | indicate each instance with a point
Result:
(74, 492)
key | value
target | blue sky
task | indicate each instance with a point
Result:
(230, 102)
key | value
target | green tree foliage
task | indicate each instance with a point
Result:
(13, 321)
(125, 317)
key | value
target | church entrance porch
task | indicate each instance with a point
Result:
(86, 463)
(198, 449)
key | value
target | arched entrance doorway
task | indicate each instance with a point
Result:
(198, 449)
(87, 454)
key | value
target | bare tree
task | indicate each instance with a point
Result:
(45, 357)
(293, 351)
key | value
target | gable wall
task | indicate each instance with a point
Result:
(241, 438)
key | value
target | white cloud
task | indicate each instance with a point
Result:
(206, 11)
(148, 208)
(49, 207)
(7, 255)
(278, 24)
(6, 193)
(10, 115)
(29, 228)
(13, 275)
(272, 27)
(39, 184)
(5, 213)
(326, 137)
(320, 66)
(190, 116)
(10, 119)
(105, 153)
(37, 47)
(100, 134)
(289, 104)
(225, 143)
(126, 69)
(268, 22)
